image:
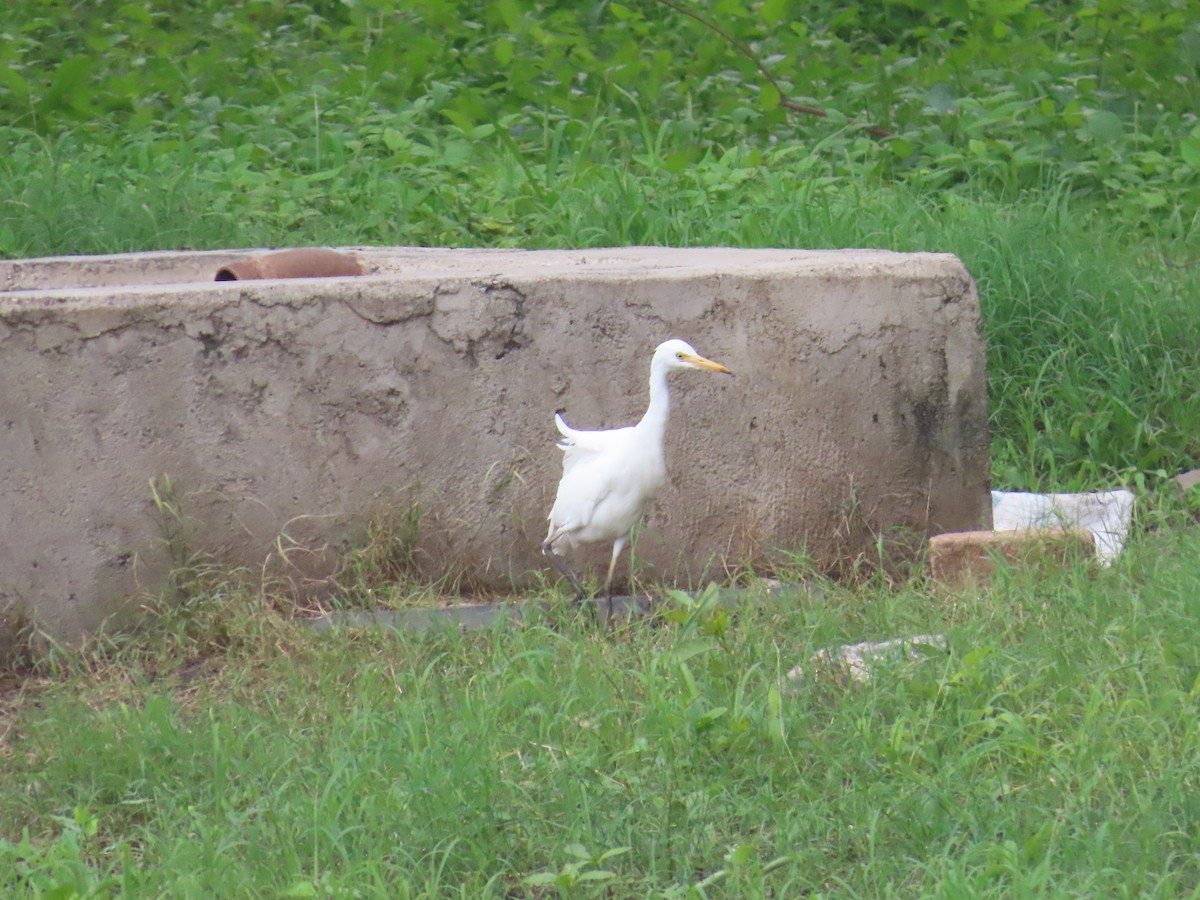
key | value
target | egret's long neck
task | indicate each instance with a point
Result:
(655, 419)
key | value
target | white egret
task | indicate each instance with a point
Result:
(609, 477)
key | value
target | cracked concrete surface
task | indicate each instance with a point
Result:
(306, 406)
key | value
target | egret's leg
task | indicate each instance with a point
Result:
(618, 546)
(564, 570)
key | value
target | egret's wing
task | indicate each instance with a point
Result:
(589, 479)
(593, 464)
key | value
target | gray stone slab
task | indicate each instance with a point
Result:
(480, 616)
(477, 617)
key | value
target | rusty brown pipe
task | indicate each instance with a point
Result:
(310, 262)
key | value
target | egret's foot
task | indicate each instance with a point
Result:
(565, 571)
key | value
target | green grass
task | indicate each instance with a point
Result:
(1052, 752)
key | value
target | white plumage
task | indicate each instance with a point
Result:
(609, 477)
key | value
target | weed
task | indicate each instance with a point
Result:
(384, 561)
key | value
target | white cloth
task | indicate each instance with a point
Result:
(1106, 514)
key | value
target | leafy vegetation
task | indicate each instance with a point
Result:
(1054, 146)
(998, 93)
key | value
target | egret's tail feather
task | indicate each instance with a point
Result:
(561, 424)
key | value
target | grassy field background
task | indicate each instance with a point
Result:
(1054, 147)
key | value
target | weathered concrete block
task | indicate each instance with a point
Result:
(969, 558)
(306, 405)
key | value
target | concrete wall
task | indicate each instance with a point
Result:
(307, 405)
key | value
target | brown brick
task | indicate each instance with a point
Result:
(969, 557)
(1188, 480)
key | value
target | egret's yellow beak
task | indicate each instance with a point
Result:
(701, 363)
